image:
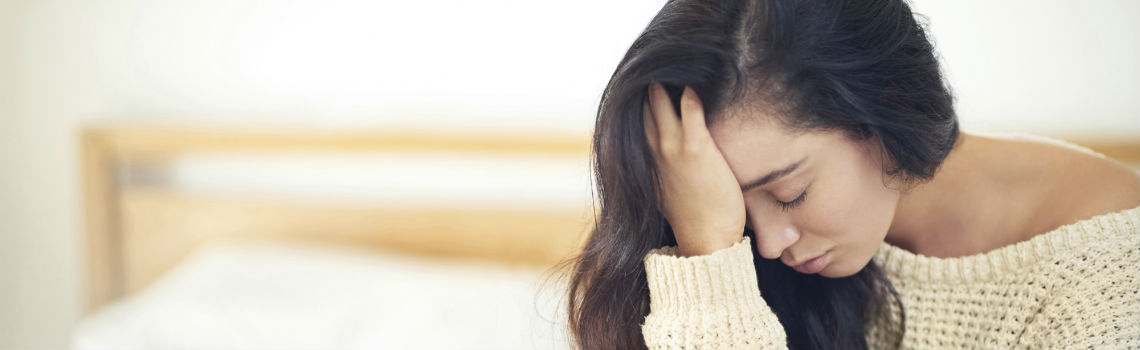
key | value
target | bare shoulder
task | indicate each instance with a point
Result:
(1080, 184)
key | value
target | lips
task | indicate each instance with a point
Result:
(813, 265)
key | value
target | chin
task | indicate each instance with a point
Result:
(838, 271)
(829, 274)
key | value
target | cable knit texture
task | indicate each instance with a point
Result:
(1075, 287)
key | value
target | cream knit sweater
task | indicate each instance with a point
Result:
(1074, 287)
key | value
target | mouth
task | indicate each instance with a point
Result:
(813, 265)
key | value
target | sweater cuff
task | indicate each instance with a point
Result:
(722, 281)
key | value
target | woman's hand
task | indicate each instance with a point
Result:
(698, 193)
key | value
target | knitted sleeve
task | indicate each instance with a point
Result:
(708, 302)
(1099, 310)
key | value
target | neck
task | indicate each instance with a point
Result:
(955, 212)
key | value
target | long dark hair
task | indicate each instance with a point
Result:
(864, 67)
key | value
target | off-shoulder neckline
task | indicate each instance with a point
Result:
(901, 263)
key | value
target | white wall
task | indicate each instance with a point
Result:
(1054, 67)
(1057, 67)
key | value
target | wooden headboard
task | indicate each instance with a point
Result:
(135, 233)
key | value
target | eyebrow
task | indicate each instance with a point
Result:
(772, 176)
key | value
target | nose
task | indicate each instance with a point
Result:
(771, 241)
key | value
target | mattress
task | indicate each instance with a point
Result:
(290, 295)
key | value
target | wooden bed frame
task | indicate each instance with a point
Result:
(134, 234)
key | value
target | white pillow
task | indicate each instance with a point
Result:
(280, 295)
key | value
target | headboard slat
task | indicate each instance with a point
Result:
(135, 233)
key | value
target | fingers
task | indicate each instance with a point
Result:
(650, 126)
(667, 132)
(693, 117)
(667, 122)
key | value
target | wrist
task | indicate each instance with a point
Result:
(704, 248)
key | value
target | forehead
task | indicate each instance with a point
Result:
(756, 145)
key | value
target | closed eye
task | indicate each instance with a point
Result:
(785, 206)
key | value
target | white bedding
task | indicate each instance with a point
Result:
(277, 295)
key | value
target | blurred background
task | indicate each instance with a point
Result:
(488, 70)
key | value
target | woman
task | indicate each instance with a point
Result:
(790, 174)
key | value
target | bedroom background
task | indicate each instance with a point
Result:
(1058, 68)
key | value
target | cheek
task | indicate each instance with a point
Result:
(851, 209)
(854, 214)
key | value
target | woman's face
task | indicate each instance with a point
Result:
(845, 212)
